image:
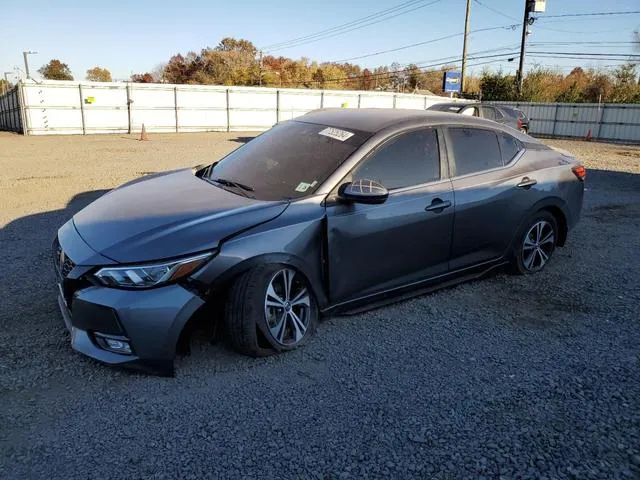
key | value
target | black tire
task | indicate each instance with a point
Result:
(523, 130)
(248, 328)
(528, 243)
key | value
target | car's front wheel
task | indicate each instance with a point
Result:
(536, 243)
(270, 309)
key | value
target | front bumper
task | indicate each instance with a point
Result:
(150, 320)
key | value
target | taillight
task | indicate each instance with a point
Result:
(580, 172)
(519, 123)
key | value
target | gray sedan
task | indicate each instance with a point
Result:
(337, 210)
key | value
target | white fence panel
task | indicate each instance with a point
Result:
(376, 101)
(62, 107)
(340, 99)
(410, 101)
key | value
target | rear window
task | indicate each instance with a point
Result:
(509, 146)
(289, 161)
(444, 107)
(474, 150)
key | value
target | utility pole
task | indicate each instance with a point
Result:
(528, 7)
(260, 70)
(464, 45)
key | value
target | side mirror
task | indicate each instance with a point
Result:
(363, 191)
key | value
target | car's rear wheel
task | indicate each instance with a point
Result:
(536, 243)
(523, 129)
(270, 309)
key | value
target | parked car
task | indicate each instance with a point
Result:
(522, 121)
(509, 116)
(336, 210)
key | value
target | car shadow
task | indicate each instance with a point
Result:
(27, 279)
(241, 139)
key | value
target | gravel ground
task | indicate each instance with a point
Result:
(506, 377)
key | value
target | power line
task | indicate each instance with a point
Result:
(583, 43)
(392, 72)
(495, 10)
(592, 14)
(404, 47)
(496, 58)
(351, 26)
(587, 54)
(345, 25)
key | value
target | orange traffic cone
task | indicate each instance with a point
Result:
(143, 134)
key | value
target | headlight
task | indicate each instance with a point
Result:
(150, 275)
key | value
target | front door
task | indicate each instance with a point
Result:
(374, 248)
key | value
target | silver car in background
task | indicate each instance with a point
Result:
(335, 211)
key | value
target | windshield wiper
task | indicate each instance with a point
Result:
(240, 187)
(232, 183)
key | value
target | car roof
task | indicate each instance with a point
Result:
(373, 120)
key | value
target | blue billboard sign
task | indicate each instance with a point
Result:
(451, 81)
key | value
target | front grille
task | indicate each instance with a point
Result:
(63, 263)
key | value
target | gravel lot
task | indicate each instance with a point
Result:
(506, 377)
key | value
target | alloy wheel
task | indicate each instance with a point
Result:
(539, 243)
(287, 307)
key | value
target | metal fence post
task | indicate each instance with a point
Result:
(277, 106)
(129, 109)
(228, 113)
(359, 99)
(22, 107)
(394, 100)
(84, 130)
(604, 106)
(175, 105)
(425, 102)
(322, 99)
(555, 120)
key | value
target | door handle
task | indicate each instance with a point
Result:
(437, 205)
(527, 182)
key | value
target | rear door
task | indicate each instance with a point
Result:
(373, 248)
(489, 202)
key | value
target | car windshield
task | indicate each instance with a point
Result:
(289, 161)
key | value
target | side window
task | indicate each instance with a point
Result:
(489, 113)
(470, 111)
(409, 159)
(474, 150)
(499, 114)
(509, 147)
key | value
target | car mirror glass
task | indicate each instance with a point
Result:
(363, 191)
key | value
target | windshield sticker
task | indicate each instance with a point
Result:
(336, 133)
(303, 186)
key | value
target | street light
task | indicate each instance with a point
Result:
(26, 63)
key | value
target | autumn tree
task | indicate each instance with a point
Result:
(142, 78)
(97, 74)
(497, 86)
(56, 70)
(5, 86)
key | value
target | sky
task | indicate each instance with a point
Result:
(135, 36)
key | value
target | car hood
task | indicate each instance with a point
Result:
(168, 215)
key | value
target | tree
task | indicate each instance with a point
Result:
(97, 74)
(5, 86)
(541, 85)
(142, 78)
(56, 70)
(496, 86)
